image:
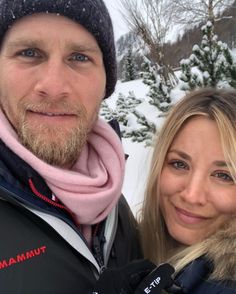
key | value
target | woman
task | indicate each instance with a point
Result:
(189, 212)
(188, 217)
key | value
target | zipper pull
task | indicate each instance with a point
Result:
(98, 253)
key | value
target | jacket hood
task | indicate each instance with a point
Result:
(221, 250)
(213, 266)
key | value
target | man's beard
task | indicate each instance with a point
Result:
(57, 145)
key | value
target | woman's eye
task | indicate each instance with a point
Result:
(79, 57)
(177, 164)
(30, 52)
(224, 176)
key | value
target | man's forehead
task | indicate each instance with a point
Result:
(40, 28)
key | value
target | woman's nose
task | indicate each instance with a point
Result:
(195, 190)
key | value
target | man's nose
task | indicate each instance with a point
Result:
(52, 80)
(195, 190)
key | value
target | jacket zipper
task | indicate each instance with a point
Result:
(97, 252)
(111, 232)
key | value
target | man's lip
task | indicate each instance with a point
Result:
(52, 113)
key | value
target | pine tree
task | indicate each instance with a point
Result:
(133, 124)
(131, 101)
(129, 66)
(122, 110)
(230, 72)
(145, 131)
(159, 93)
(190, 79)
(210, 64)
(106, 112)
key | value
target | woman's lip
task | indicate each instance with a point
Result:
(188, 217)
(190, 214)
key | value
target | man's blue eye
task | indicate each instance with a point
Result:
(29, 52)
(79, 57)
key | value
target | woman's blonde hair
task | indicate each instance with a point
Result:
(218, 105)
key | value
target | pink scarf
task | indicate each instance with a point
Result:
(93, 186)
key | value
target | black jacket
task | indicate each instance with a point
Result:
(41, 250)
(194, 279)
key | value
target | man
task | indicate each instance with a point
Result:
(61, 168)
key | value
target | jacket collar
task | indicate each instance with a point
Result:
(217, 268)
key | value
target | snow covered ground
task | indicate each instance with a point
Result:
(136, 173)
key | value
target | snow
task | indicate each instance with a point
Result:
(137, 164)
(140, 90)
(176, 94)
(206, 75)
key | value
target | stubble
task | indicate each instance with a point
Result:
(56, 145)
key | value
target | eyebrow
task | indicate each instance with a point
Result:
(180, 153)
(84, 49)
(22, 42)
(219, 163)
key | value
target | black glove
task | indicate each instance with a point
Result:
(159, 279)
(123, 280)
(139, 277)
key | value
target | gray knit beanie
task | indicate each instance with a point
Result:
(91, 14)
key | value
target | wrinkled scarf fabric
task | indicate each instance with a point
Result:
(92, 187)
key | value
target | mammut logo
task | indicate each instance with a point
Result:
(22, 257)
